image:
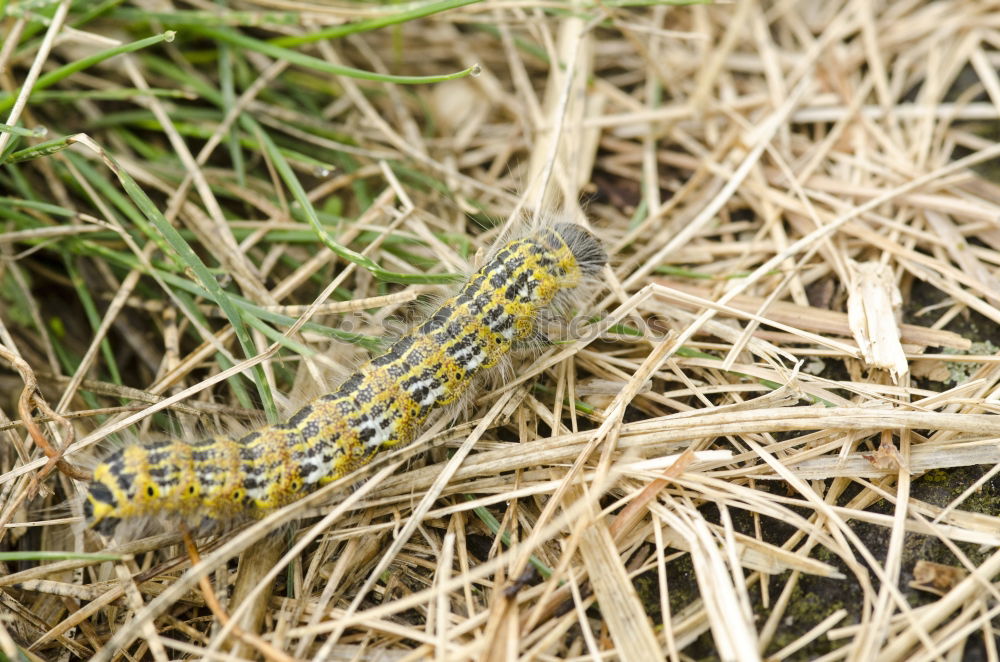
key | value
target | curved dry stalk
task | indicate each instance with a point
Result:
(30, 398)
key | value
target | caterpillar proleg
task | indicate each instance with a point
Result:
(384, 403)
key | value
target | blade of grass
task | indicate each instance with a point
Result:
(46, 148)
(356, 27)
(487, 518)
(120, 94)
(37, 132)
(53, 77)
(59, 556)
(250, 19)
(302, 60)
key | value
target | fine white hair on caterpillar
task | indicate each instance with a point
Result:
(527, 280)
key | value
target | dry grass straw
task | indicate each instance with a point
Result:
(728, 463)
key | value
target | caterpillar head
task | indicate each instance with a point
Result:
(101, 502)
(586, 248)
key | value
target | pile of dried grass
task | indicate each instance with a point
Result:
(776, 182)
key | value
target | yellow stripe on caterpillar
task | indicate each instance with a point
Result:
(384, 403)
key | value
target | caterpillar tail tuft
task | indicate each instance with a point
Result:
(220, 480)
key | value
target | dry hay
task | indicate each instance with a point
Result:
(753, 463)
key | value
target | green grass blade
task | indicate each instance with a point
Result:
(37, 132)
(229, 18)
(38, 555)
(46, 148)
(339, 31)
(487, 518)
(53, 77)
(302, 60)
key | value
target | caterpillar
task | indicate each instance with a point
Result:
(385, 403)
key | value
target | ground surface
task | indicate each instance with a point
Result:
(212, 210)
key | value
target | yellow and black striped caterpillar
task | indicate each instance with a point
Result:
(384, 403)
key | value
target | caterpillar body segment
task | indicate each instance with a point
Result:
(384, 403)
